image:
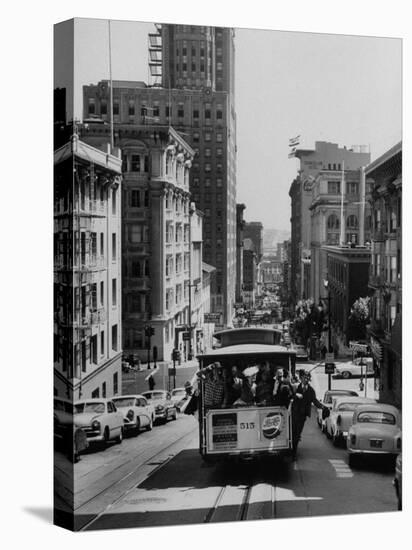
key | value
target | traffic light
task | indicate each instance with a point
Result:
(176, 355)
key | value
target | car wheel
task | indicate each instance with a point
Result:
(119, 438)
(335, 440)
(137, 429)
(328, 435)
(149, 427)
(106, 435)
(346, 374)
(174, 417)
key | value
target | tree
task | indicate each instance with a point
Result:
(358, 319)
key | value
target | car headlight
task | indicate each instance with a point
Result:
(96, 425)
(130, 415)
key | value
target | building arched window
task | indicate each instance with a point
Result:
(352, 222)
(333, 222)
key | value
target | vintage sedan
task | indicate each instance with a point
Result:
(68, 436)
(137, 412)
(178, 396)
(375, 430)
(354, 368)
(164, 407)
(327, 401)
(341, 415)
(100, 419)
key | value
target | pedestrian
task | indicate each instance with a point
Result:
(301, 408)
(324, 351)
(151, 383)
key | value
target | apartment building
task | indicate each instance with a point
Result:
(87, 271)
(385, 277)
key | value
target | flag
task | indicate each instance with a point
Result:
(293, 142)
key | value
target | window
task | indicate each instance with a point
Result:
(103, 107)
(196, 114)
(92, 106)
(352, 188)
(114, 338)
(208, 113)
(116, 107)
(184, 67)
(93, 345)
(208, 136)
(136, 233)
(208, 152)
(102, 342)
(180, 110)
(219, 112)
(219, 137)
(114, 255)
(393, 269)
(333, 187)
(95, 393)
(156, 110)
(202, 67)
(352, 222)
(94, 296)
(333, 222)
(208, 167)
(115, 383)
(114, 292)
(135, 164)
(114, 201)
(101, 244)
(168, 111)
(135, 198)
(393, 221)
(101, 293)
(104, 390)
(219, 182)
(219, 151)
(93, 244)
(207, 182)
(146, 198)
(84, 357)
(143, 110)
(193, 67)
(131, 107)
(193, 51)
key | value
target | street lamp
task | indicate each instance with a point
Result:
(327, 288)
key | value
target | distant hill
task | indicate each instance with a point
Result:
(271, 237)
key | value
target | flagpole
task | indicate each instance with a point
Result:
(342, 219)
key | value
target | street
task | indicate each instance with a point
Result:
(158, 478)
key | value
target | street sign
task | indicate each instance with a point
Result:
(356, 346)
(329, 368)
(329, 358)
(186, 336)
(212, 317)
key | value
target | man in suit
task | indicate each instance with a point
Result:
(301, 408)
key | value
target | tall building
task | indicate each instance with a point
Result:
(254, 231)
(325, 162)
(385, 278)
(193, 70)
(240, 225)
(87, 271)
(156, 251)
(249, 273)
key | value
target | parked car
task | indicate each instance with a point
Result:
(397, 480)
(100, 419)
(178, 396)
(137, 412)
(340, 418)
(375, 430)
(68, 436)
(327, 401)
(354, 368)
(164, 407)
(301, 351)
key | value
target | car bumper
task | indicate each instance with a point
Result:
(160, 414)
(128, 425)
(372, 452)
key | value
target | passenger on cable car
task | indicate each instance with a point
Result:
(283, 389)
(214, 385)
(264, 389)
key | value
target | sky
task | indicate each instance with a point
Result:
(323, 87)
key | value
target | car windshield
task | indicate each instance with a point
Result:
(376, 417)
(154, 395)
(178, 392)
(124, 402)
(89, 408)
(347, 407)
